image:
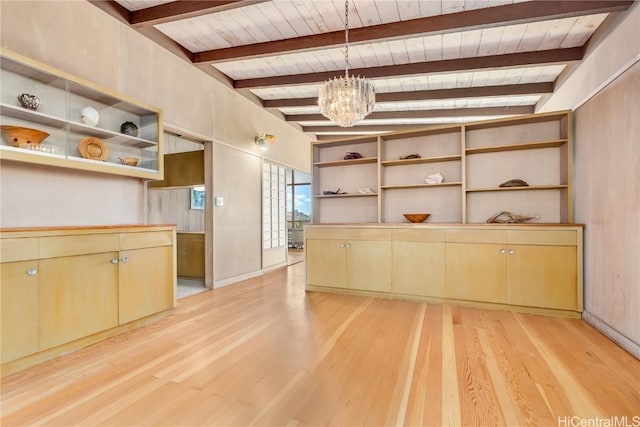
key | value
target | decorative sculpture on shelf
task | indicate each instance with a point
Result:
(505, 217)
(351, 155)
(434, 178)
(514, 183)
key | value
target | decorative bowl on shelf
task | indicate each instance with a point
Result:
(28, 101)
(90, 116)
(129, 128)
(22, 137)
(129, 161)
(93, 148)
(417, 217)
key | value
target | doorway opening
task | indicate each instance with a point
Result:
(298, 213)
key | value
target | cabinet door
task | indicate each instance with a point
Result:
(77, 297)
(542, 276)
(146, 282)
(325, 262)
(418, 268)
(19, 300)
(369, 265)
(476, 272)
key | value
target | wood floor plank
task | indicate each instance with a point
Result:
(264, 352)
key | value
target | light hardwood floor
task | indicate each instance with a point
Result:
(264, 352)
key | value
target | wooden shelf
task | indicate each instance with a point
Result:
(367, 139)
(347, 162)
(31, 116)
(529, 188)
(421, 160)
(113, 137)
(65, 94)
(515, 147)
(443, 184)
(330, 196)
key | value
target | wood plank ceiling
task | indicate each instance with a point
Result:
(431, 61)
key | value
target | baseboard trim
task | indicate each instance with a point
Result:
(612, 334)
(231, 280)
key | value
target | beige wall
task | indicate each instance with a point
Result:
(603, 91)
(607, 187)
(81, 39)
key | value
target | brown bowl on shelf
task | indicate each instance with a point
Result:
(19, 136)
(417, 218)
(129, 161)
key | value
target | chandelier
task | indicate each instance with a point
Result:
(346, 100)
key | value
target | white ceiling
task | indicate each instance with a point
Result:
(257, 23)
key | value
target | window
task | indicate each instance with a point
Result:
(298, 206)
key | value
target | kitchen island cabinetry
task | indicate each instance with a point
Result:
(65, 288)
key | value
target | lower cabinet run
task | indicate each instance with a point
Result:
(65, 288)
(526, 267)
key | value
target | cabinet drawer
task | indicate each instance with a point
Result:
(459, 235)
(59, 246)
(18, 249)
(368, 234)
(419, 235)
(543, 237)
(146, 239)
(324, 233)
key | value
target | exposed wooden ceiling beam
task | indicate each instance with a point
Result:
(114, 9)
(448, 65)
(440, 24)
(425, 114)
(177, 10)
(359, 128)
(422, 95)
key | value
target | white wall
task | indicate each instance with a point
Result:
(79, 38)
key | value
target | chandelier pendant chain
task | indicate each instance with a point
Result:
(346, 38)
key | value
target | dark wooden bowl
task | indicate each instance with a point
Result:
(416, 218)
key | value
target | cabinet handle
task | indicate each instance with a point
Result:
(124, 259)
(342, 245)
(511, 252)
(114, 260)
(348, 245)
(32, 272)
(502, 251)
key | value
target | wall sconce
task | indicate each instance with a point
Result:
(262, 140)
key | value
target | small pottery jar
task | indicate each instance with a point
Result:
(129, 128)
(30, 102)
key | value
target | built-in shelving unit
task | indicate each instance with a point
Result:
(474, 160)
(63, 97)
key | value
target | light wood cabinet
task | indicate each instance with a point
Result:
(528, 267)
(67, 287)
(369, 265)
(145, 282)
(350, 259)
(326, 262)
(418, 262)
(476, 272)
(474, 159)
(19, 299)
(62, 114)
(77, 297)
(542, 276)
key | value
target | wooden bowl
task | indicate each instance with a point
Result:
(22, 137)
(417, 218)
(129, 161)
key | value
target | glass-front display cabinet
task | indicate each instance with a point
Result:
(52, 118)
